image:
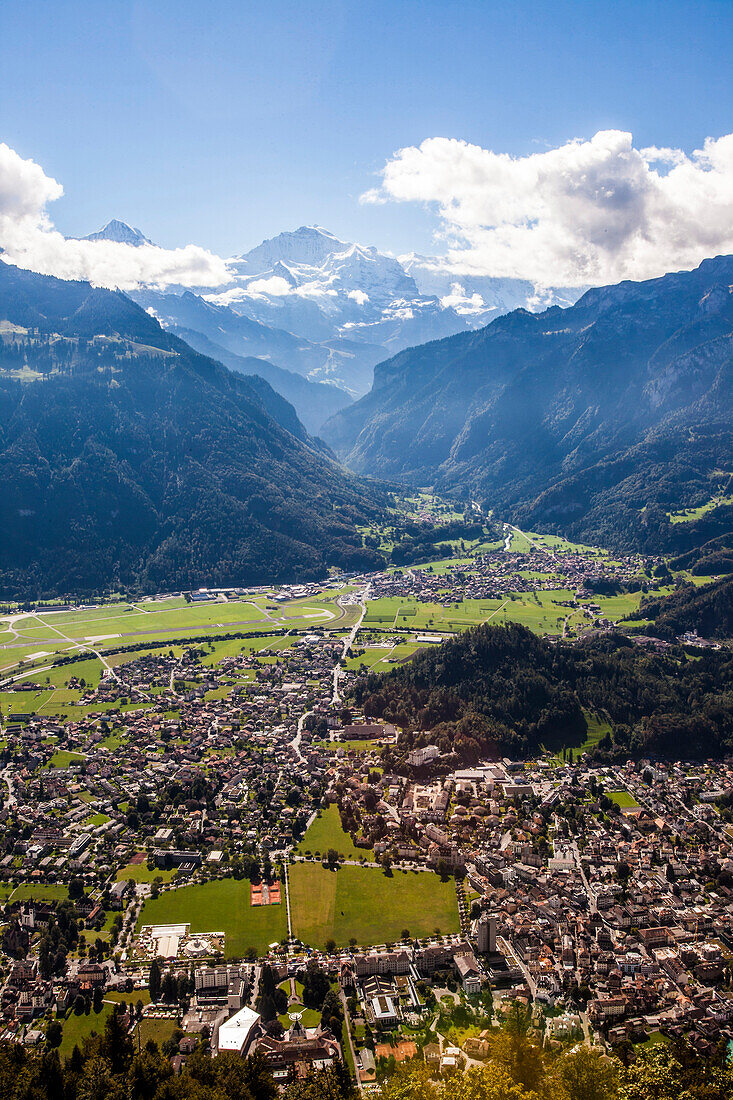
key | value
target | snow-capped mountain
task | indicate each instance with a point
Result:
(311, 283)
(119, 232)
(329, 309)
(482, 295)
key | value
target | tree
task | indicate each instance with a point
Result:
(116, 1045)
(54, 1032)
(97, 1081)
(332, 1012)
(76, 889)
(586, 1075)
(315, 985)
(154, 980)
(97, 999)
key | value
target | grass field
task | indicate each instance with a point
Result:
(325, 832)
(221, 906)
(36, 639)
(597, 728)
(140, 872)
(156, 1029)
(365, 903)
(37, 891)
(623, 800)
(382, 657)
(62, 759)
(120, 997)
(78, 1028)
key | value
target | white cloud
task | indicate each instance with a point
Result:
(274, 285)
(359, 296)
(29, 240)
(587, 212)
(462, 302)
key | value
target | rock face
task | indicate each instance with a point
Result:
(128, 458)
(596, 418)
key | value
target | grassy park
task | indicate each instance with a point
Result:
(220, 906)
(77, 1028)
(325, 832)
(140, 872)
(366, 904)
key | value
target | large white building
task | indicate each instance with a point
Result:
(238, 1033)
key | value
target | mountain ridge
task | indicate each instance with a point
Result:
(129, 459)
(547, 414)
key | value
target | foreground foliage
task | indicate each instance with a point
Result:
(519, 1068)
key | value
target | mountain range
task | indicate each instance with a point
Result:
(595, 420)
(330, 310)
(128, 458)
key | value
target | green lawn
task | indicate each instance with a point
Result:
(220, 906)
(37, 891)
(310, 1017)
(140, 872)
(365, 903)
(326, 832)
(128, 998)
(157, 1030)
(623, 800)
(96, 819)
(62, 759)
(78, 1028)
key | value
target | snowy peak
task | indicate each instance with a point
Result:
(119, 232)
(370, 272)
(310, 245)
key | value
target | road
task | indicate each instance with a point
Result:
(347, 1025)
(348, 642)
(295, 743)
(12, 800)
(592, 907)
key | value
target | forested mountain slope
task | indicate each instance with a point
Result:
(502, 689)
(128, 458)
(594, 420)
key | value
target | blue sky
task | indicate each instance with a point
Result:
(222, 123)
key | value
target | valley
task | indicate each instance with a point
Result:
(366, 550)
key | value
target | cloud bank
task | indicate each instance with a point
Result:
(29, 239)
(588, 212)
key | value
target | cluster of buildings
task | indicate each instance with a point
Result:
(604, 894)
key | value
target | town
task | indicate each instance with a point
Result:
(210, 840)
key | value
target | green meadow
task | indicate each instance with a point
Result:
(220, 906)
(365, 904)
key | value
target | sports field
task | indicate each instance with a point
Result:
(221, 906)
(325, 832)
(366, 904)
